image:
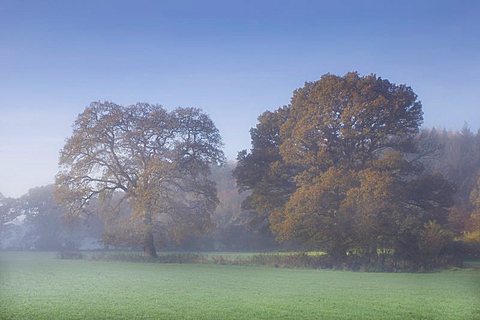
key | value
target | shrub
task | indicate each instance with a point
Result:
(186, 257)
(75, 255)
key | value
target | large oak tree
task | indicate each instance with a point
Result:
(157, 162)
(336, 169)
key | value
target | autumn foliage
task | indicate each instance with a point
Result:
(154, 162)
(339, 170)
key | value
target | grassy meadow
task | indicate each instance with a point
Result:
(40, 286)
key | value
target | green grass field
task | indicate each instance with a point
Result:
(39, 286)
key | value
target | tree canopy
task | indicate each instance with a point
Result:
(156, 161)
(337, 169)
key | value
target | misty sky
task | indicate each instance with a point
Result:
(233, 59)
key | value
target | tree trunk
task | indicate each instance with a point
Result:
(148, 245)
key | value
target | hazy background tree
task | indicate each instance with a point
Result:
(156, 162)
(232, 228)
(456, 156)
(12, 227)
(35, 221)
(472, 225)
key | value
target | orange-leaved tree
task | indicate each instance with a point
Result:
(154, 161)
(337, 168)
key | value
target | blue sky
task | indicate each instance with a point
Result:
(233, 59)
